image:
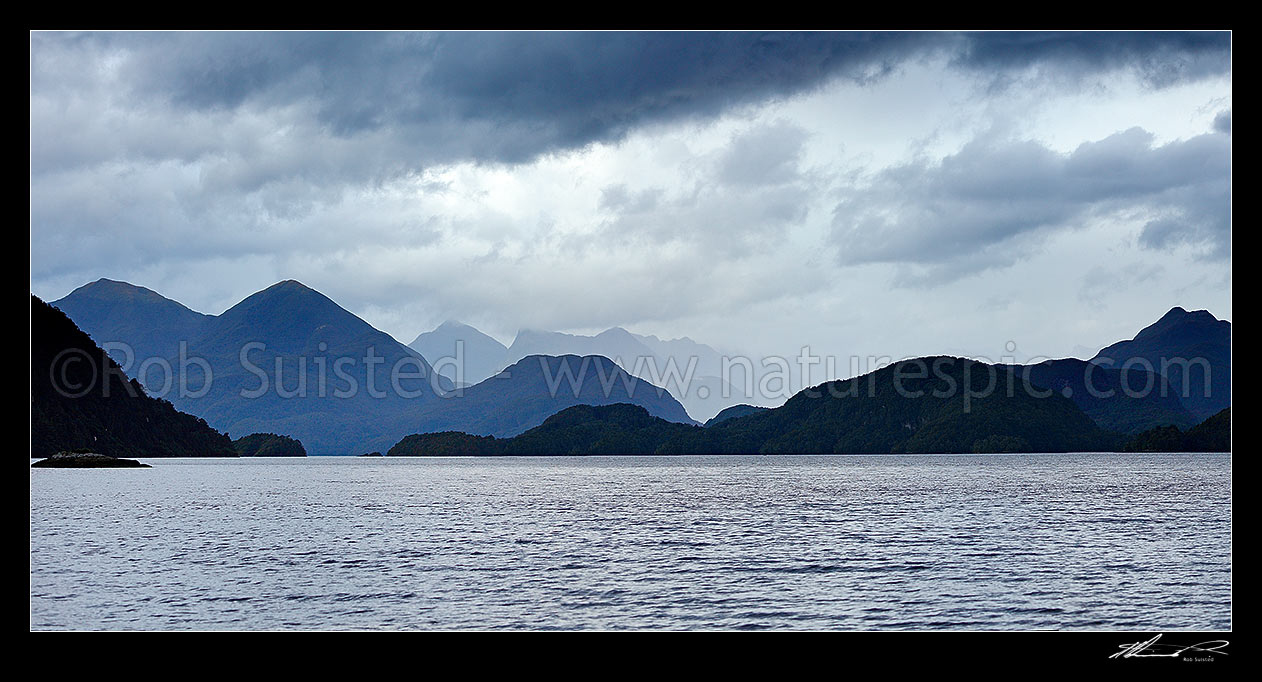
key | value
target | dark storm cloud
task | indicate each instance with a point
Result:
(534, 92)
(511, 96)
(1161, 58)
(984, 206)
(227, 157)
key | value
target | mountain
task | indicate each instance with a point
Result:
(286, 360)
(702, 389)
(927, 405)
(1184, 347)
(461, 353)
(617, 344)
(734, 412)
(151, 324)
(709, 361)
(1125, 401)
(81, 400)
(537, 387)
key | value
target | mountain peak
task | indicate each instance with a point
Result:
(1176, 318)
(1192, 336)
(290, 285)
(1174, 314)
(115, 289)
(289, 312)
(615, 332)
(287, 288)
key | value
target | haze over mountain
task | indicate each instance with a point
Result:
(691, 371)
(81, 400)
(935, 404)
(1184, 347)
(319, 352)
(309, 367)
(461, 353)
(288, 360)
(537, 387)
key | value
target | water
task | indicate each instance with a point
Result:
(1008, 542)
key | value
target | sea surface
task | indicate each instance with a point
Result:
(1002, 542)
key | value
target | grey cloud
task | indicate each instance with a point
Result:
(744, 196)
(619, 199)
(986, 205)
(511, 96)
(242, 118)
(187, 156)
(1222, 122)
(765, 155)
(1100, 283)
(1160, 58)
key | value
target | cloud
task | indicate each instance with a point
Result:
(1100, 282)
(1159, 58)
(1222, 122)
(508, 97)
(763, 156)
(988, 204)
(182, 140)
(732, 202)
(679, 177)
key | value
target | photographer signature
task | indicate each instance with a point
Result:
(1151, 649)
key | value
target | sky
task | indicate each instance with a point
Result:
(997, 195)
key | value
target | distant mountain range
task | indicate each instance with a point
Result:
(461, 353)
(81, 400)
(289, 361)
(538, 386)
(927, 405)
(286, 360)
(664, 363)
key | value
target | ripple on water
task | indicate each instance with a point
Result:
(1003, 542)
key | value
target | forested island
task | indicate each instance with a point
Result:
(268, 445)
